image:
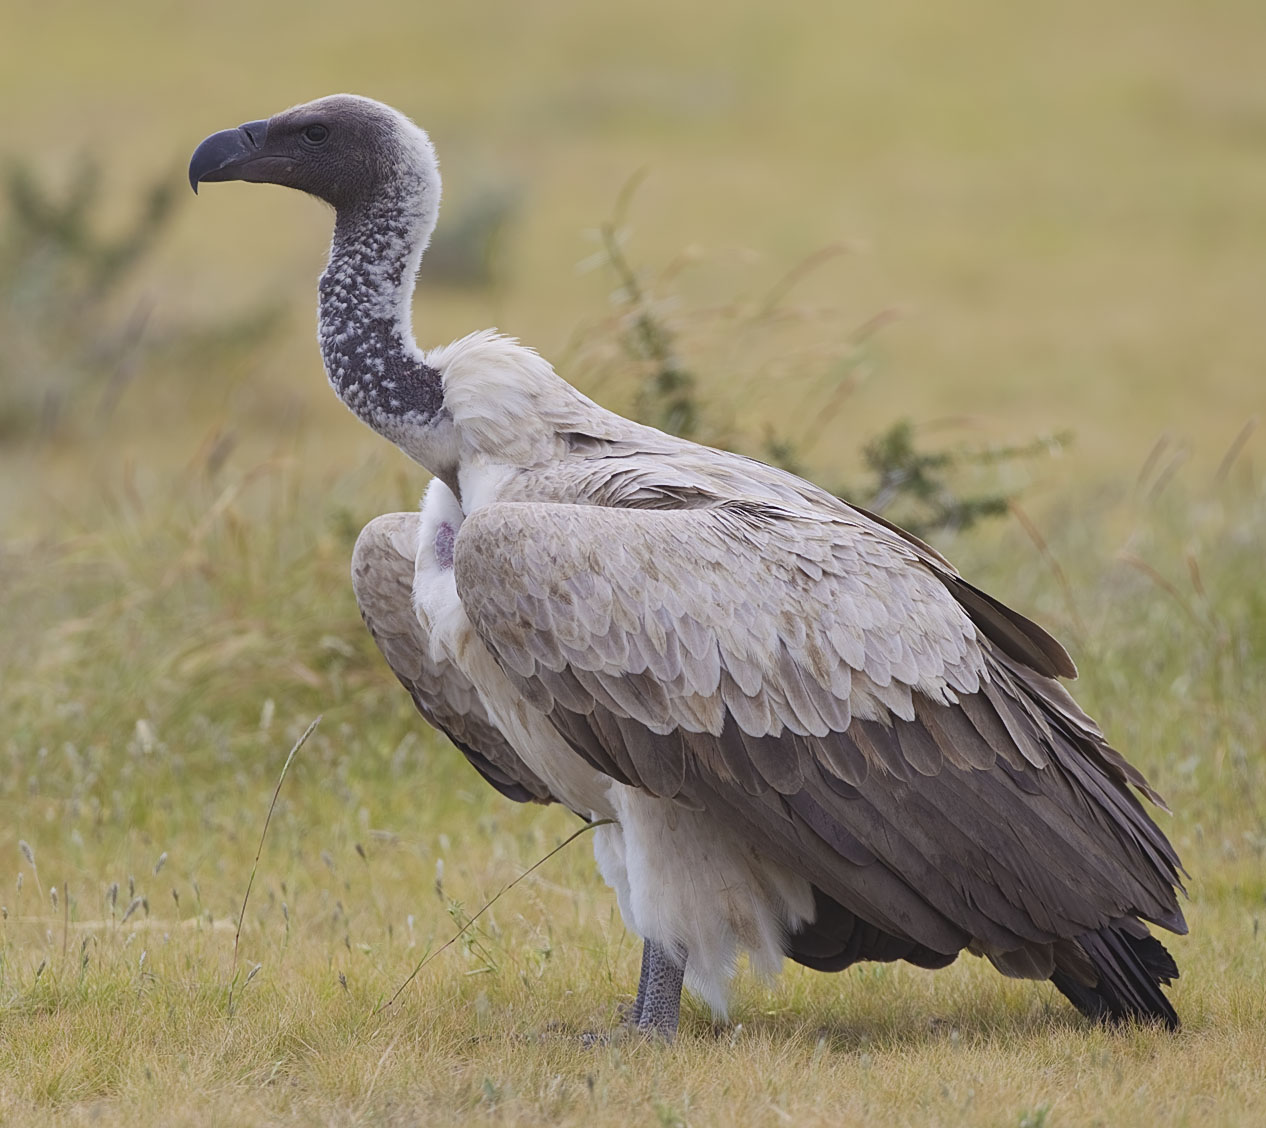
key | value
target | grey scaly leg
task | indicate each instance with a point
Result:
(634, 1012)
(658, 1005)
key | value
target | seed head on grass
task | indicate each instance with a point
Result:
(29, 855)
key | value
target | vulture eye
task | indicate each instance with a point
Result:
(316, 134)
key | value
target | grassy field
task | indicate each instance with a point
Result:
(1058, 219)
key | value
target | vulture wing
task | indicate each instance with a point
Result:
(383, 576)
(870, 722)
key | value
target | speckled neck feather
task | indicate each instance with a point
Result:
(364, 323)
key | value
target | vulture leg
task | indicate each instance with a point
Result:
(658, 1004)
(634, 1013)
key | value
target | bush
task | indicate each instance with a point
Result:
(76, 334)
(925, 489)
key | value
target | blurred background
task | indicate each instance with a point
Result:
(1000, 223)
(994, 268)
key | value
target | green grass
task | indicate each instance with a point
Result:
(166, 666)
(1057, 215)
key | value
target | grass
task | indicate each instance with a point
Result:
(1054, 221)
(168, 660)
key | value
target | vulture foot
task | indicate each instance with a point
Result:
(657, 1008)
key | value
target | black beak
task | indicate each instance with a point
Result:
(222, 155)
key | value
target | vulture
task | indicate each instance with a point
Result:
(814, 739)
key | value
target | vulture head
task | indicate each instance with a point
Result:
(344, 149)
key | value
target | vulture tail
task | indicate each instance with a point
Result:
(837, 939)
(1131, 970)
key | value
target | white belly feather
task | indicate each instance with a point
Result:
(681, 877)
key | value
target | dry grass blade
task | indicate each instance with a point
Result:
(1044, 549)
(65, 918)
(237, 935)
(1234, 451)
(806, 266)
(504, 890)
(1139, 564)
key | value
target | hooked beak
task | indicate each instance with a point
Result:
(228, 155)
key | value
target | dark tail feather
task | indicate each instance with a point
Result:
(837, 939)
(1131, 970)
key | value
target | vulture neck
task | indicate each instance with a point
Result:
(365, 328)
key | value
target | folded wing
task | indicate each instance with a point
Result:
(859, 714)
(383, 578)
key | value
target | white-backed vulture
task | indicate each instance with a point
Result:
(816, 739)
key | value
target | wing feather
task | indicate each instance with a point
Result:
(382, 577)
(864, 716)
